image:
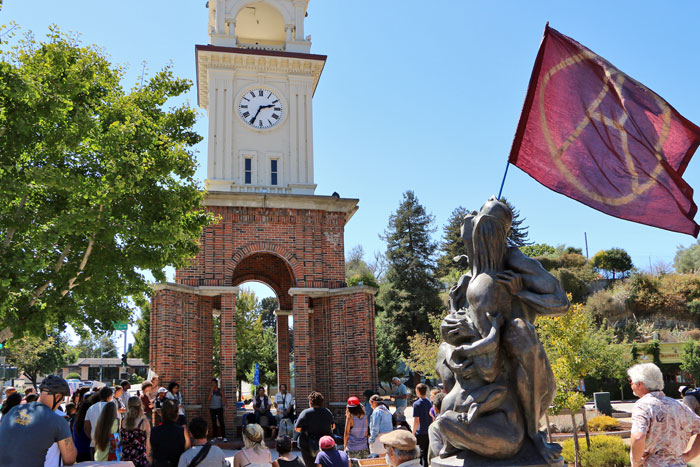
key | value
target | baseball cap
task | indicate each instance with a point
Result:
(162, 390)
(10, 388)
(353, 401)
(399, 439)
(326, 442)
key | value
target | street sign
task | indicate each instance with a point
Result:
(121, 326)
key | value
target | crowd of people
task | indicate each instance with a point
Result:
(54, 427)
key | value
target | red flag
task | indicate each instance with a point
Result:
(592, 133)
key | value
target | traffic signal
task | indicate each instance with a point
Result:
(124, 360)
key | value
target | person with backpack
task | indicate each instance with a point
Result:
(202, 453)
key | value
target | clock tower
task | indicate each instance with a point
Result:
(256, 80)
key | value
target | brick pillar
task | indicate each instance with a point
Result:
(228, 360)
(205, 347)
(303, 358)
(283, 349)
(167, 334)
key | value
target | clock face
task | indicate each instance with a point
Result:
(260, 108)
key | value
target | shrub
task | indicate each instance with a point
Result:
(135, 379)
(606, 451)
(365, 278)
(73, 376)
(603, 423)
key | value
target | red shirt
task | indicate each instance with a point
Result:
(146, 404)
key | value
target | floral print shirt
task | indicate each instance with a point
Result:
(668, 425)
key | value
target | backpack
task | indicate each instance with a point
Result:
(286, 427)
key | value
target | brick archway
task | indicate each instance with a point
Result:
(295, 245)
(273, 270)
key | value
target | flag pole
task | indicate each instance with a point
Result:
(504, 180)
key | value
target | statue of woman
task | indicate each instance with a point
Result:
(492, 363)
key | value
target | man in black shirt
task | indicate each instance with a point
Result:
(312, 424)
(169, 440)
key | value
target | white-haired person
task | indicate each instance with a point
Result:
(661, 426)
(254, 452)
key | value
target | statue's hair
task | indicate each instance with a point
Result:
(489, 241)
(648, 374)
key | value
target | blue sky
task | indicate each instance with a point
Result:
(426, 95)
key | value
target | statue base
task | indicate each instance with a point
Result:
(527, 457)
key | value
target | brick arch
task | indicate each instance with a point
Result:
(268, 268)
(294, 266)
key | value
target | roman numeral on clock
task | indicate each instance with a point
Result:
(244, 106)
(252, 94)
(275, 116)
(260, 92)
(246, 115)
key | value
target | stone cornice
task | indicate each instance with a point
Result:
(211, 56)
(204, 291)
(320, 292)
(348, 206)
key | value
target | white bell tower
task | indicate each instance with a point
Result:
(256, 80)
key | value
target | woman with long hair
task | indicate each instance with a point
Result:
(175, 394)
(254, 452)
(356, 431)
(107, 447)
(13, 399)
(80, 439)
(136, 434)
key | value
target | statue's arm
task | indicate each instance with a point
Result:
(488, 344)
(532, 284)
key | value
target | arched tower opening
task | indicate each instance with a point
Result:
(260, 23)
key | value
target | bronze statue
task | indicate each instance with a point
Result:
(493, 366)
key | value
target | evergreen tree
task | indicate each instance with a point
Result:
(268, 306)
(518, 235)
(412, 292)
(388, 357)
(451, 245)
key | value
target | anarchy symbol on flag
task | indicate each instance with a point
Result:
(592, 133)
(614, 80)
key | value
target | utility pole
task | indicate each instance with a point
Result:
(100, 359)
(585, 238)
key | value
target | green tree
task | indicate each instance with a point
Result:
(412, 292)
(576, 349)
(613, 261)
(538, 249)
(90, 345)
(687, 259)
(142, 336)
(97, 185)
(388, 357)
(423, 350)
(254, 343)
(518, 235)
(39, 355)
(268, 306)
(357, 271)
(451, 245)
(266, 358)
(690, 360)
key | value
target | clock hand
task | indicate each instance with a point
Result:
(252, 122)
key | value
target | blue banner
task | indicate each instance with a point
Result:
(256, 378)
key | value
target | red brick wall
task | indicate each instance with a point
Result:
(311, 242)
(284, 248)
